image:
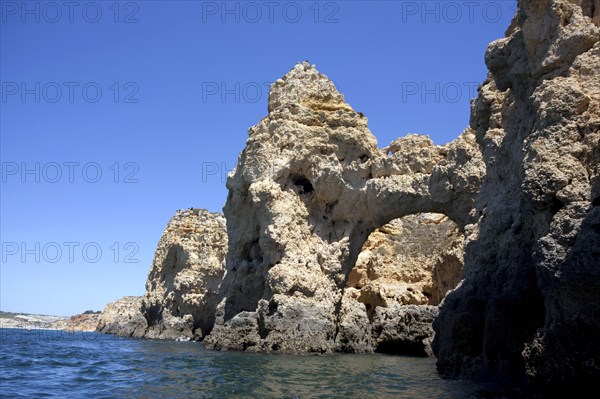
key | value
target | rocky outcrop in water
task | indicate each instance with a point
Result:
(311, 187)
(308, 189)
(123, 317)
(188, 266)
(86, 322)
(529, 304)
(403, 266)
(182, 285)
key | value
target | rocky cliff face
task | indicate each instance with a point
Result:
(318, 261)
(308, 189)
(403, 267)
(188, 266)
(123, 317)
(182, 286)
(409, 262)
(529, 304)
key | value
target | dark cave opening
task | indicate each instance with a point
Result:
(404, 348)
(304, 185)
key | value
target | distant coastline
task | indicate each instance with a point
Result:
(27, 321)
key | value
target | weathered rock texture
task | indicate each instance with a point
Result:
(123, 317)
(182, 286)
(308, 189)
(409, 261)
(530, 301)
(189, 263)
(403, 329)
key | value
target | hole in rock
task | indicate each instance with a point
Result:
(152, 313)
(413, 260)
(253, 253)
(272, 308)
(304, 185)
(556, 205)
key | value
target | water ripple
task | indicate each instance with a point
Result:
(56, 364)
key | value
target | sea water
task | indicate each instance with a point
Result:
(59, 364)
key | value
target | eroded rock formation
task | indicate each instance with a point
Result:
(123, 317)
(188, 266)
(308, 189)
(405, 264)
(182, 285)
(312, 186)
(530, 301)
(413, 260)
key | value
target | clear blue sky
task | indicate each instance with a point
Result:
(110, 113)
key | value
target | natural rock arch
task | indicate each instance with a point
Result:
(308, 189)
(402, 273)
(311, 184)
(413, 260)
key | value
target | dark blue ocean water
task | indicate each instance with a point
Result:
(56, 364)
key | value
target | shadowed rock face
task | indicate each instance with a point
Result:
(308, 189)
(530, 300)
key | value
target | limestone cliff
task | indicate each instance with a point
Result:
(188, 266)
(529, 303)
(410, 261)
(308, 189)
(317, 260)
(413, 260)
(182, 285)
